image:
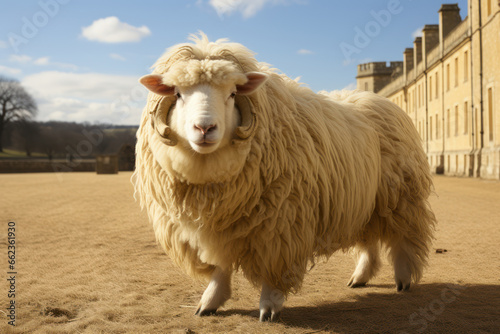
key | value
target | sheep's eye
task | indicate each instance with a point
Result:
(178, 95)
(233, 94)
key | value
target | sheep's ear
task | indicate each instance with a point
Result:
(154, 83)
(255, 80)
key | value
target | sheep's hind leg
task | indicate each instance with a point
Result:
(271, 303)
(409, 258)
(216, 294)
(367, 266)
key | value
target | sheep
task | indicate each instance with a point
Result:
(241, 168)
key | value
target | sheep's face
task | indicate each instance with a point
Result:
(205, 115)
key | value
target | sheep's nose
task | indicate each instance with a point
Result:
(204, 129)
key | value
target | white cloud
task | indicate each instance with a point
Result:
(351, 86)
(87, 97)
(417, 32)
(42, 61)
(45, 61)
(112, 30)
(9, 70)
(117, 56)
(247, 8)
(3, 45)
(67, 102)
(23, 59)
(304, 52)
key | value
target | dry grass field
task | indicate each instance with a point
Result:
(87, 262)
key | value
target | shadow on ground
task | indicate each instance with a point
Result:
(430, 308)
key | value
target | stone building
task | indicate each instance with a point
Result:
(448, 83)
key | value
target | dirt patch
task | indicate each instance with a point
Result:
(57, 312)
(84, 245)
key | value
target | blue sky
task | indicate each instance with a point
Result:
(81, 59)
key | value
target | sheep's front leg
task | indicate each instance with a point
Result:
(271, 303)
(216, 294)
(368, 264)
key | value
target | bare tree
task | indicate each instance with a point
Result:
(15, 104)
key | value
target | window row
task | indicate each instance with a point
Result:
(457, 121)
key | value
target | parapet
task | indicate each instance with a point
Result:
(377, 68)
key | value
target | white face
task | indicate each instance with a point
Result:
(203, 122)
(205, 116)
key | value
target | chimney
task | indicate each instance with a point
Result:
(430, 39)
(407, 62)
(417, 51)
(449, 18)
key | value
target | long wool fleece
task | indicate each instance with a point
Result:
(321, 172)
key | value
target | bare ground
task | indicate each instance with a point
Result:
(87, 262)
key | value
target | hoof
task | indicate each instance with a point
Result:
(403, 286)
(204, 313)
(354, 283)
(270, 316)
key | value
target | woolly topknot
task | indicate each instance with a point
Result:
(202, 61)
(192, 72)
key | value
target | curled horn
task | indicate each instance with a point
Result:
(248, 119)
(160, 107)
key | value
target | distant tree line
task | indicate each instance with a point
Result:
(53, 139)
(66, 140)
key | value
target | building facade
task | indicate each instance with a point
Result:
(448, 83)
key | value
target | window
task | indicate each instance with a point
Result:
(414, 99)
(447, 77)
(430, 128)
(423, 93)
(466, 66)
(456, 120)
(430, 89)
(490, 112)
(476, 117)
(456, 72)
(448, 123)
(419, 96)
(437, 127)
(437, 87)
(408, 105)
(366, 85)
(466, 117)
